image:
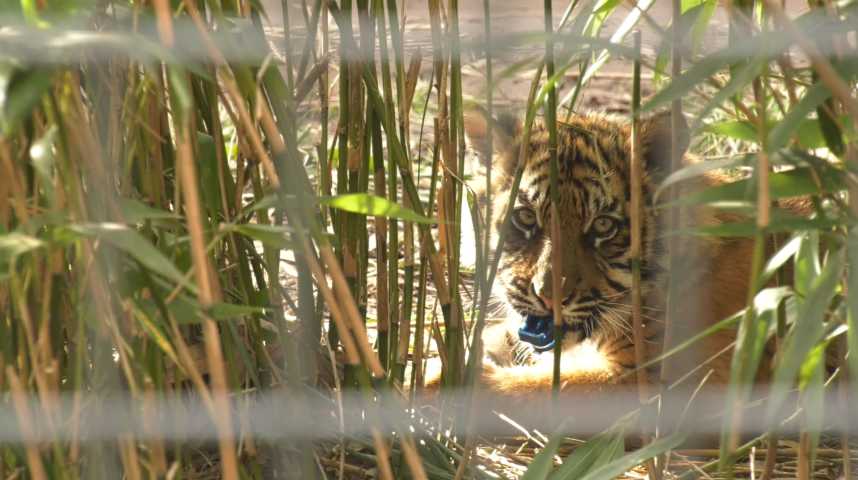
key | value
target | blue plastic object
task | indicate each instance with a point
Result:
(538, 331)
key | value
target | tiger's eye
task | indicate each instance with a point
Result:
(525, 220)
(604, 226)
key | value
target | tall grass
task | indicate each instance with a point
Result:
(192, 225)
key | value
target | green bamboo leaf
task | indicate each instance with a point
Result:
(738, 129)
(701, 168)
(367, 204)
(42, 158)
(272, 235)
(229, 311)
(796, 182)
(543, 463)
(806, 332)
(597, 452)
(208, 171)
(181, 97)
(807, 267)
(582, 459)
(780, 134)
(698, 30)
(134, 211)
(24, 92)
(739, 79)
(627, 462)
(156, 333)
(829, 128)
(679, 87)
(691, 13)
(14, 244)
(812, 386)
(780, 258)
(133, 244)
(751, 341)
(783, 224)
(807, 131)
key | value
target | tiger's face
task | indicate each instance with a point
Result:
(594, 222)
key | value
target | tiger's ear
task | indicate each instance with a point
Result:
(655, 143)
(505, 129)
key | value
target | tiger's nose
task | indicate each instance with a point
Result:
(542, 293)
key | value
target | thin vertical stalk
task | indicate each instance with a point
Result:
(24, 417)
(207, 297)
(455, 333)
(556, 240)
(392, 320)
(344, 127)
(636, 218)
(671, 318)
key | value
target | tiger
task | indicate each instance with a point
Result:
(598, 346)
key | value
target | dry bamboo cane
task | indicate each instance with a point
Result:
(24, 415)
(207, 296)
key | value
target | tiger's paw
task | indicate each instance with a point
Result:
(521, 353)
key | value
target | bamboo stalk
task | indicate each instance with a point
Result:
(24, 417)
(556, 239)
(636, 223)
(207, 296)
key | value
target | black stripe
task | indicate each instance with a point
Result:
(620, 266)
(615, 285)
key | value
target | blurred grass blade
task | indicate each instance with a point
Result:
(543, 463)
(635, 458)
(368, 204)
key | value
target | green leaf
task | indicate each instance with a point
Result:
(751, 341)
(807, 266)
(228, 311)
(367, 204)
(806, 332)
(181, 98)
(271, 235)
(780, 134)
(156, 332)
(14, 244)
(781, 257)
(739, 79)
(627, 462)
(134, 211)
(796, 182)
(738, 129)
(208, 172)
(782, 223)
(23, 94)
(691, 12)
(42, 158)
(133, 244)
(812, 387)
(543, 463)
(829, 128)
(597, 452)
(701, 168)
